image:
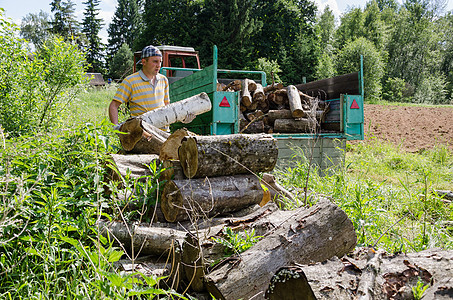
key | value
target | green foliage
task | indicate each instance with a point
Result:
(348, 60)
(270, 67)
(91, 27)
(121, 63)
(64, 22)
(35, 91)
(236, 243)
(325, 67)
(395, 90)
(419, 289)
(386, 193)
(124, 27)
(431, 90)
(35, 28)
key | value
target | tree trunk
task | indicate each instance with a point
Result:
(307, 236)
(301, 125)
(135, 141)
(223, 155)
(192, 199)
(295, 105)
(177, 111)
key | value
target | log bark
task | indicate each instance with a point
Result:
(258, 94)
(207, 197)
(173, 170)
(301, 125)
(307, 236)
(140, 137)
(135, 166)
(272, 87)
(246, 98)
(177, 111)
(143, 240)
(367, 274)
(295, 105)
(202, 156)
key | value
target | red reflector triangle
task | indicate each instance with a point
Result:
(354, 105)
(224, 102)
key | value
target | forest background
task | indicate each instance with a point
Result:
(407, 47)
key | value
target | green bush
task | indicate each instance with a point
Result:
(432, 90)
(348, 61)
(395, 90)
(36, 88)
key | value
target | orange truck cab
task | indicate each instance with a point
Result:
(176, 57)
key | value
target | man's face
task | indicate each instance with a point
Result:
(152, 64)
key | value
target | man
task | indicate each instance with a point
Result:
(144, 90)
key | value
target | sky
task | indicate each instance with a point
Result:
(17, 9)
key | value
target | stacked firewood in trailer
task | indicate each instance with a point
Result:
(211, 183)
(276, 108)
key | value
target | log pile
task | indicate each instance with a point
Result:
(276, 109)
(211, 183)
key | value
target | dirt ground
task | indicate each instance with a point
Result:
(414, 128)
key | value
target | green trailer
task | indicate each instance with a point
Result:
(343, 122)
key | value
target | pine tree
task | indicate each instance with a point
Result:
(124, 27)
(91, 27)
(64, 22)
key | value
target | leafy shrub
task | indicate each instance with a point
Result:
(270, 67)
(36, 89)
(395, 90)
(348, 60)
(432, 90)
(122, 63)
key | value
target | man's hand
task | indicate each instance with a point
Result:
(189, 118)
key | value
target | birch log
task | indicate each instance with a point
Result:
(307, 236)
(258, 94)
(295, 105)
(206, 197)
(223, 155)
(177, 111)
(246, 98)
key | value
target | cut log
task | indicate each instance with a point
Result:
(246, 98)
(222, 155)
(177, 111)
(173, 170)
(206, 197)
(272, 87)
(235, 85)
(368, 274)
(135, 166)
(307, 236)
(253, 127)
(169, 149)
(252, 85)
(135, 239)
(258, 94)
(295, 105)
(140, 137)
(255, 114)
(273, 115)
(301, 125)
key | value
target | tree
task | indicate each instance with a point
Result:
(64, 22)
(91, 27)
(121, 63)
(325, 28)
(36, 28)
(348, 60)
(124, 27)
(351, 27)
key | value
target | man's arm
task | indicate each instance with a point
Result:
(113, 111)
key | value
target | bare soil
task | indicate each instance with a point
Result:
(413, 128)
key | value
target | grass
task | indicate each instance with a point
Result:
(51, 188)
